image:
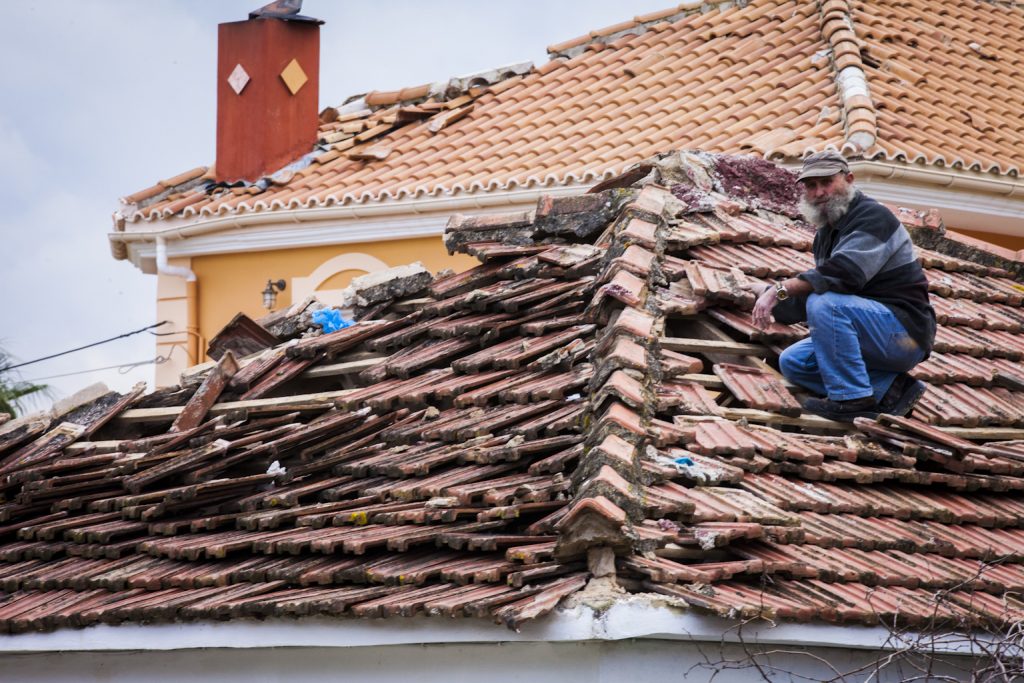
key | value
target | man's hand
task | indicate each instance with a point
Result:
(766, 300)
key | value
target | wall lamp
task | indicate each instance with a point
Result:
(270, 293)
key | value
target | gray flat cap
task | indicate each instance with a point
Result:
(823, 164)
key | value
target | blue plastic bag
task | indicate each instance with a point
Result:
(331, 320)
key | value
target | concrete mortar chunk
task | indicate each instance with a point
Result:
(392, 283)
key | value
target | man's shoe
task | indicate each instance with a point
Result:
(842, 411)
(904, 393)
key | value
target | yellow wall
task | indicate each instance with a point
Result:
(229, 283)
(177, 345)
(1015, 242)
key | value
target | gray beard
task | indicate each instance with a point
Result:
(831, 211)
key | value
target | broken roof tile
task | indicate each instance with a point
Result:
(757, 388)
(513, 426)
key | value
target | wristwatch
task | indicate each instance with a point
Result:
(780, 291)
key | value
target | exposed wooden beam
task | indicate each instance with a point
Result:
(803, 420)
(813, 421)
(410, 305)
(303, 402)
(347, 368)
(93, 447)
(985, 433)
(703, 328)
(713, 346)
(714, 382)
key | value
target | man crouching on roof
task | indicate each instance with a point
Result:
(865, 302)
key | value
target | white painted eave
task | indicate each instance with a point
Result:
(965, 200)
(636, 618)
(292, 228)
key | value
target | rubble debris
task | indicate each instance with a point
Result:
(292, 321)
(485, 444)
(242, 336)
(385, 285)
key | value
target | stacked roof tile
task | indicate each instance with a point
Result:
(591, 400)
(926, 83)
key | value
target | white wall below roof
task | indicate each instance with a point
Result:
(637, 639)
(965, 200)
(658, 661)
(958, 208)
(636, 617)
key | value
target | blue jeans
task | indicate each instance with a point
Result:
(856, 348)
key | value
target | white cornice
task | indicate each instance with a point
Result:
(970, 201)
(965, 200)
(280, 229)
(291, 236)
(959, 209)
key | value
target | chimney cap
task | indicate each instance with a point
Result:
(287, 10)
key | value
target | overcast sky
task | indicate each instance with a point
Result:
(101, 98)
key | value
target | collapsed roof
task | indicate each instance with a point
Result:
(933, 84)
(589, 404)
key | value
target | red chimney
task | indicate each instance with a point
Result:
(268, 81)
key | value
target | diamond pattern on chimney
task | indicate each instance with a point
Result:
(238, 79)
(294, 77)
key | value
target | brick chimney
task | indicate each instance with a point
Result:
(268, 82)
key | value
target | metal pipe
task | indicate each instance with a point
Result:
(164, 268)
(949, 179)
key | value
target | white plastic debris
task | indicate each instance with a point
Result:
(275, 468)
(708, 540)
(442, 502)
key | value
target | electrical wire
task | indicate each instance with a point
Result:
(124, 368)
(80, 348)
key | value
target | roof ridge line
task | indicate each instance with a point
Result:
(637, 26)
(859, 114)
(608, 501)
(444, 90)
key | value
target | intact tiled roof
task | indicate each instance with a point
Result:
(591, 399)
(920, 82)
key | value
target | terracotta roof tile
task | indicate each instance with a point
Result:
(590, 101)
(903, 116)
(494, 427)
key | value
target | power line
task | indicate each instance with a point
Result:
(123, 367)
(80, 348)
